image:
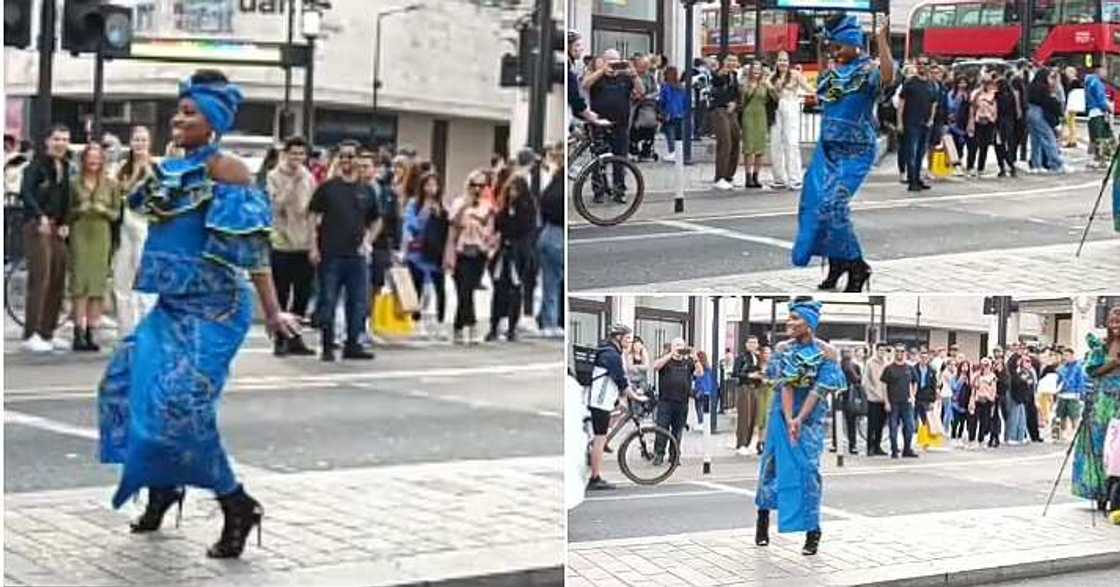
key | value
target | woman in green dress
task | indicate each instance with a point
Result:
(756, 93)
(95, 204)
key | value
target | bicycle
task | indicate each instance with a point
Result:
(15, 264)
(590, 159)
(637, 457)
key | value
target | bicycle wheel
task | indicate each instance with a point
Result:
(638, 461)
(15, 290)
(609, 202)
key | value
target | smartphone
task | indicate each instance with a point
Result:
(620, 65)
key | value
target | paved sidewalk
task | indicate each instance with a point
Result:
(373, 526)
(939, 548)
(1021, 270)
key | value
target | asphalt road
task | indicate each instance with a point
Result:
(740, 232)
(1098, 578)
(880, 487)
(410, 405)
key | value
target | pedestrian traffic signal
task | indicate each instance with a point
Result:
(91, 25)
(990, 307)
(520, 70)
(17, 23)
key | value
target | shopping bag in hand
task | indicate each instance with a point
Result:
(404, 290)
(388, 319)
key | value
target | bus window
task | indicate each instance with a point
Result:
(1078, 11)
(921, 18)
(943, 16)
(1046, 12)
(968, 15)
(1111, 10)
(992, 16)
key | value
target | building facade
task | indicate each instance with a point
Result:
(439, 74)
(915, 321)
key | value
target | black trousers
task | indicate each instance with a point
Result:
(876, 419)
(293, 276)
(1005, 130)
(986, 137)
(511, 265)
(468, 274)
(971, 422)
(672, 417)
(1032, 419)
(984, 412)
(850, 427)
(959, 420)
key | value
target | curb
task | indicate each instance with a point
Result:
(542, 577)
(1015, 572)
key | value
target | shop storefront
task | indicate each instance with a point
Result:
(630, 26)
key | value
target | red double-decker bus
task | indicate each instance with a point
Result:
(787, 31)
(1081, 33)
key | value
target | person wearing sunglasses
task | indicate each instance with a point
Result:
(470, 243)
(343, 220)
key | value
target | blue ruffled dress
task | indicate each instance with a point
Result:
(790, 474)
(157, 403)
(844, 156)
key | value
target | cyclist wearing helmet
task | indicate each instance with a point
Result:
(607, 384)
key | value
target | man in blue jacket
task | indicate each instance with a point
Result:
(1074, 383)
(608, 383)
(1096, 105)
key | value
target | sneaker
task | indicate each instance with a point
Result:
(795, 187)
(36, 344)
(777, 185)
(909, 454)
(742, 451)
(903, 179)
(58, 344)
(528, 325)
(670, 158)
(724, 185)
(599, 484)
(356, 352)
(553, 333)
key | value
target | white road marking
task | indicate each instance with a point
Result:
(632, 237)
(12, 417)
(727, 233)
(747, 492)
(858, 205)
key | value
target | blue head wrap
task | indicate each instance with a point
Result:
(846, 32)
(217, 101)
(809, 311)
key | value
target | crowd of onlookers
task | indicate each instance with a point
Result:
(366, 221)
(1021, 113)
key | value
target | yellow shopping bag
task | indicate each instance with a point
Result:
(387, 317)
(940, 166)
(923, 436)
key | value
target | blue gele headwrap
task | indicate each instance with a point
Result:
(846, 32)
(217, 101)
(809, 311)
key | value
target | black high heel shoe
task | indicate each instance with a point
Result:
(859, 275)
(159, 501)
(762, 528)
(836, 269)
(812, 541)
(241, 513)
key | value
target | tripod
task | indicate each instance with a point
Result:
(1094, 458)
(1097, 205)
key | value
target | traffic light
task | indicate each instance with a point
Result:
(89, 25)
(519, 70)
(558, 75)
(990, 306)
(17, 23)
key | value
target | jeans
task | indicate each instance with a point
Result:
(947, 413)
(350, 273)
(550, 246)
(293, 276)
(672, 131)
(672, 417)
(914, 140)
(702, 406)
(619, 140)
(1044, 145)
(419, 278)
(903, 413)
(1017, 423)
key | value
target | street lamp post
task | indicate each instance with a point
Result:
(377, 58)
(312, 19)
(286, 113)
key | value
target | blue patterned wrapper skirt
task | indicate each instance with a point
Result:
(824, 217)
(790, 474)
(157, 403)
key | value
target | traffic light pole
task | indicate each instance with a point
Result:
(542, 82)
(309, 93)
(41, 120)
(286, 114)
(98, 95)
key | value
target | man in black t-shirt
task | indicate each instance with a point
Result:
(915, 116)
(898, 377)
(675, 371)
(343, 217)
(611, 88)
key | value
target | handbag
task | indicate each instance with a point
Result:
(855, 401)
(950, 147)
(405, 291)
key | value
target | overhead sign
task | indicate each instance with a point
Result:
(217, 51)
(854, 5)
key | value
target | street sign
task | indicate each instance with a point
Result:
(218, 51)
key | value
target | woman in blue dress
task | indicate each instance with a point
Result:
(157, 403)
(804, 370)
(1102, 405)
(844, 156)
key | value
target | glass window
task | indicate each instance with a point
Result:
(632, 9)
(992, 16)
(674, 303)
(943, 16)
(1111, 10)
(585, 328)
(1046, 12)
(921, 18)
(1079, 11)
(968, 15)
